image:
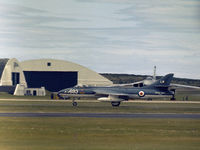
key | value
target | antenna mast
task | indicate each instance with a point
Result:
(154, 73)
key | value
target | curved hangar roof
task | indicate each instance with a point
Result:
(84, 75)
(11, 73)
(3, 63)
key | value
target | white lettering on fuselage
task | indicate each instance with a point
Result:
(73, 91)
(159, 93)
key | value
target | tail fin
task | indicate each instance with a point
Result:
(164, 81)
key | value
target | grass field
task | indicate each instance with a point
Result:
(99, 134)
(61, 133)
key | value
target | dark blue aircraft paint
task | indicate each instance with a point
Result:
(160, 87)
(116, 94)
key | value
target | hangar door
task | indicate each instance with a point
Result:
(52, 80)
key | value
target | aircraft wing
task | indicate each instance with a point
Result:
(136, 84)
(115, 97)
(109, 92)
(180, 86)
(121, 85)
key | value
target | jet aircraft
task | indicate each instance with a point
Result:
(150, 80)
(116, 94)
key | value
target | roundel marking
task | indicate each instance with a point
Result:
(162, 81)
(141, 93)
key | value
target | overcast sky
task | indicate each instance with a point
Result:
(107, 36)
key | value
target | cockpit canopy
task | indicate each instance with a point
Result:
(149, 78)
(81, 86)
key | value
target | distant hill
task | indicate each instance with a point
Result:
(130, 78)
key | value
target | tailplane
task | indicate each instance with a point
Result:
(164, 81)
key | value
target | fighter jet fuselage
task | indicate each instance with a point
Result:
(117, 94)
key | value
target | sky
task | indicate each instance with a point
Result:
(107, 36)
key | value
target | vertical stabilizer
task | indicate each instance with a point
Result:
(164, 81)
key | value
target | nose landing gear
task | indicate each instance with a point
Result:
(74, 103)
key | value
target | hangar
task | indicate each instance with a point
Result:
(51, 74)
(11, 74)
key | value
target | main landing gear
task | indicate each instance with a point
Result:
(173, 96)
(115, 104)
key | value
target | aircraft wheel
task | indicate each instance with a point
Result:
(115, 104)
(149, 99)
(173, 99)
(74, 103)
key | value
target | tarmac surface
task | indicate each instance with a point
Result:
(80, 101)
(96, 115)
(104, 115)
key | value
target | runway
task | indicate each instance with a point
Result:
(96, 101)
(105, 115)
